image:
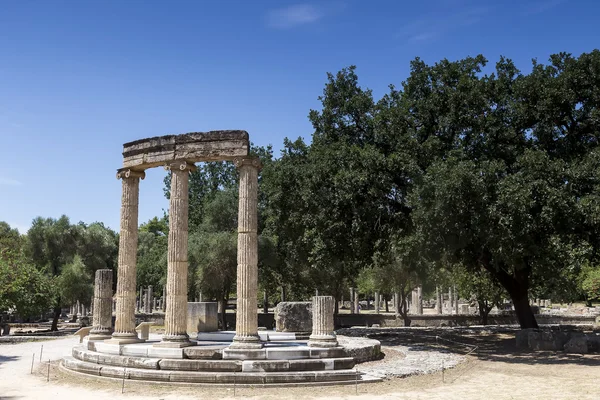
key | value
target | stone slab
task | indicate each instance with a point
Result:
(193, 147)
(192, 377)
(107, 348)
(327, 352)
(219, 336)
(81, 366)
(265, 365)
(244, 354)
(148, 375)
(202, 365)
(277, 336)
(135, 350)
(203, 352)
(283, 353)
(165, 352)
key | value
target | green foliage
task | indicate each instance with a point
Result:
(55, 246)
(214, 256)
(480, 287)
(152, 259)
(24, 289)
(590, 283)
(74, 283)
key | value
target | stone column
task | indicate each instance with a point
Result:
(322, 316)
(102, 315)
(177, 261)
(351, 300)
(450, 301)
(455, 300)
(419, 300)
(376, 302)
(140, 301)
(246, 325)
(356, 298)
(128, 237)
(438, 300)
(149, 300)
(413, 302)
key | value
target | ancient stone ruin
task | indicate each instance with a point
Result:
(256, 356)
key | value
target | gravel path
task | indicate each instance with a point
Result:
(401, 361)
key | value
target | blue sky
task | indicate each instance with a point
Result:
(80, 78)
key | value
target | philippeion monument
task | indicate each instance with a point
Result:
(246, 356)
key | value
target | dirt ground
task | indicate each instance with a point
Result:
(495, 370)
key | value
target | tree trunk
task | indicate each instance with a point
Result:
(283, 293)
(484, 311)
(517, 286)
(404, 312)
(387, 306)
(57, 310)
(523, 310)
(266, 303)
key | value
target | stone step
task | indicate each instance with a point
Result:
(232, 365)
(343, 376)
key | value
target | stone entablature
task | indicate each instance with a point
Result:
(193, 147)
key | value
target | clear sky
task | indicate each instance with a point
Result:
(80, 78)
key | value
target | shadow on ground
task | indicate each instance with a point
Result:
(484, 344)
(6, 359)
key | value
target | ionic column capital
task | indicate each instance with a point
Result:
(247, 161)
(180, 166)
(124, 173)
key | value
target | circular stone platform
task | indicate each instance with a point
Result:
(283, 360)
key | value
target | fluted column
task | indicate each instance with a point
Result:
(177, 258)
(246, 325)
(322, 316)
(128, 237)
(102, 315)
(419, 307)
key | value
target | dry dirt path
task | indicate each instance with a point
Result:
(495, 372)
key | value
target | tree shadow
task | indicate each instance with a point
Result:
(6, 359)
(487, 344)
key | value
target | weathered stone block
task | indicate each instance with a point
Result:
(287, 353)
(307, 365)
(522, 338)
(294, 316)
(202, 317)
(593, 340)
(194, 147)
(195, 377)
(577, 344)
(202, 365)
(203, 352)
(165, 352)
(265, 366)
(148, 375)
(80, 366)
